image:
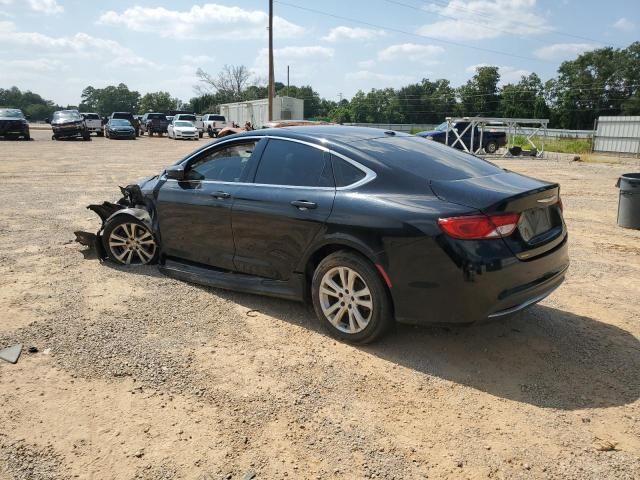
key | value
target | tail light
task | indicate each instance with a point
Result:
(480, 227)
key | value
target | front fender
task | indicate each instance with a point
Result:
(139, 213)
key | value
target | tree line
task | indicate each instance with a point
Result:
(604, 81)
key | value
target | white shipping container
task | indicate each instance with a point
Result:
(257, 111)
(618, 134)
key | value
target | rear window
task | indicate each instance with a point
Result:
(122, 115)
(217, 118)
(427, 159)
(156, 116)
(191, 118)
(91, 116)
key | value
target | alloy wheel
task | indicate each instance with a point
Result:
(132, 244)
(346, 300)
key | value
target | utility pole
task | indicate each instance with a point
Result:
(271, 79)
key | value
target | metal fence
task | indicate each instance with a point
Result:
(408, 127)
(618, 135)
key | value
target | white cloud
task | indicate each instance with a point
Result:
(207, 21)
(47, 7)
(560, 51)
(80, 44)
(482, 19)
(38, 65)
(347, 33)
(197, 59)
(508, 74)
(624, 24)
(366, 64)
(414, 52)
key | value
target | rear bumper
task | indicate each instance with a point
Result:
(433, 287)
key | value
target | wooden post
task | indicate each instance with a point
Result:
(271, 79)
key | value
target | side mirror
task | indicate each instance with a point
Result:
(175, 172)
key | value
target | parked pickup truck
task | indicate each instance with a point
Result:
(189, 117)
(491, 139)
(154, 123)
(213, 123)
(94, 123)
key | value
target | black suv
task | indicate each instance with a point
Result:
(13, 124)
(69, 123)
(154, 123)
(133, 120)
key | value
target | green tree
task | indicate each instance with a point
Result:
(157, 102)
(110, 99)
(480, 95)
(524, 99)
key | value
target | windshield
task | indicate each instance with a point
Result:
(191, 118)
(183, 124)
(66, 115)
(120, 123)
(11, 113)
(442, 127)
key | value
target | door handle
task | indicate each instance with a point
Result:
(221, 195)
(304, 205)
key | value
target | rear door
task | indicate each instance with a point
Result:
(195, 214)
(277, 217)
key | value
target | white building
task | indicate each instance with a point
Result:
(257, 111)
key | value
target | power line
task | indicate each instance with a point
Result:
(415, 35)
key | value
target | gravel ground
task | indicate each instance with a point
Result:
(140, 376)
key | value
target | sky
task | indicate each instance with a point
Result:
(58, 47)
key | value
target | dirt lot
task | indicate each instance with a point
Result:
(141, 376)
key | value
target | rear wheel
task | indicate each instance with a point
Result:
(350, 299)
(128, 241)
(491, 147)
(200, 134)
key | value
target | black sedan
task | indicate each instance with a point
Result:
(371, 226)
(119, 128)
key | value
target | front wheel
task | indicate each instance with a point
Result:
(128, 241)
(350, 298)
(491, 147)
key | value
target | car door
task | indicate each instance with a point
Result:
(194, 215)
(277, 217)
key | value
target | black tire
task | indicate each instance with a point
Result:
(27, 137)
(200, 134)
(210, 133)
(137, 132)
(100, 134)
(491, 147)
(150, 132)
(120, 224)
(379, 314)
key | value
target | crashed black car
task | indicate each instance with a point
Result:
(13, 124)
(370, 225)
(69, 124)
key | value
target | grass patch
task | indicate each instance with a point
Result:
(559, 145)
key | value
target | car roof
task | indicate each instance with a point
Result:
(319, 133)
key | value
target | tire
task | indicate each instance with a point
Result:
(491, 147)
(126, 240)
(210, 133)
(363, 319)
(137, 132)
(150, 133)
(100, 134)
(86, 136)
(27, 137)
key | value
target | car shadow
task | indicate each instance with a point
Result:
(544, 356)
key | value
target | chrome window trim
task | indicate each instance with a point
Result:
(369, 176)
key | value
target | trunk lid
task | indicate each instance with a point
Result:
(541, 226)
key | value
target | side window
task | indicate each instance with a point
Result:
(345, 173)
(295, 164)
(224, 165)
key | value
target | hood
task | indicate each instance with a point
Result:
(62, 121)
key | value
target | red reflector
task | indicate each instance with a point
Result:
(480, 227)
(386, 278)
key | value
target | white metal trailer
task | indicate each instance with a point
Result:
(257, 111)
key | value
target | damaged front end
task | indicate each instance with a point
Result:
(132, 203)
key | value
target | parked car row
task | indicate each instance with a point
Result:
(75, 124)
